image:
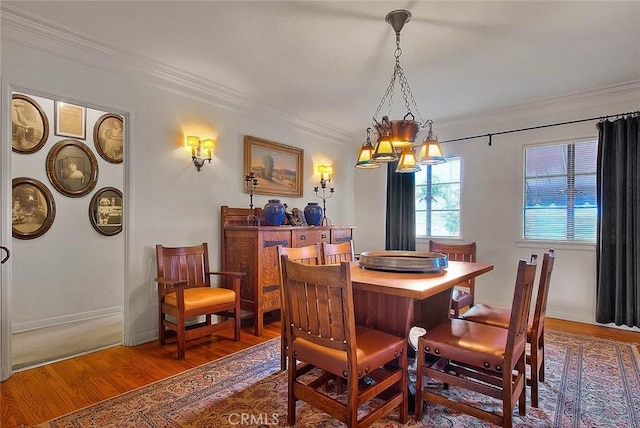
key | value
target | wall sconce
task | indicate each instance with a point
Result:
(325, 173)
(200, 149)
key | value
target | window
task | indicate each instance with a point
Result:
(438, 199)
(560, 192)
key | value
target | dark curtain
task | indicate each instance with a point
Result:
(618, 230)
(401, 213)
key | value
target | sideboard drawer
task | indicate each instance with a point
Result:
(340, 235)
(310, 236)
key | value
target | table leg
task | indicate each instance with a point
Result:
(384, 312)
(430, 312)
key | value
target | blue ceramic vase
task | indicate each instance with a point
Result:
(313, 214)
(273, 212)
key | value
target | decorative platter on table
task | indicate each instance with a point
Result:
(404, 261)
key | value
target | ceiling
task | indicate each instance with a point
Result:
(330, 62)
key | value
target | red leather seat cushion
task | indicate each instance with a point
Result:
(490, 315)
(471, 343)
(375, 348)
(493, 315)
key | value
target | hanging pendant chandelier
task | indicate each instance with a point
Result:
(396, 138)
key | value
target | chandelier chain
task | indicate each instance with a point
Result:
(407, 94)
(388, 93)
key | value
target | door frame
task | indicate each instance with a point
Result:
(5, 231)
(6, 91)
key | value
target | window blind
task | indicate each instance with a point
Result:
(560, 192)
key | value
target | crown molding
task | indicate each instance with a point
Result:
(592, 96)
(31, 31)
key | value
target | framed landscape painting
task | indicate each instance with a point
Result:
(278, 167)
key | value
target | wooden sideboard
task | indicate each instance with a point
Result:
(252, 249)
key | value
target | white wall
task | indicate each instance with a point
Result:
(166, 200)
(492, 195)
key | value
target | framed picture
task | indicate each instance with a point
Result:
(72, 168)
(105, 211)
(32, 208)
(108, 137)
(71, 120)
(278, 168)
(29, 125)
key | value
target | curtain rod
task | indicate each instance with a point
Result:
(490, 135)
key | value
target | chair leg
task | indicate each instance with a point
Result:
(181, 338)
(541, 356)
(404, 386)
(537, 369)
(161, 330)
(507, 401)
(283, 348)
(291, 398)
(237, 323)
(352, 401)
(534, 378)
(419, 381)
(521, 367)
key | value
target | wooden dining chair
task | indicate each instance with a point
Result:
(464, 253)
(309, 255)
(324, 338)
(336, 253)
(479, 357)
(185, 292)
(499, 317)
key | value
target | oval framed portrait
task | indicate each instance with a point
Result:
(32, 208)
(72, 168)
(29, 125)
(105, 211)
(108, 137)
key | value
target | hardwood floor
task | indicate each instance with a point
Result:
(36, 395)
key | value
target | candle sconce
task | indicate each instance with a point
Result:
(200, 150)
(325, 179)
(251, 182)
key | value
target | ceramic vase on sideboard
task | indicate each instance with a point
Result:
(313, 214)
(273, 212)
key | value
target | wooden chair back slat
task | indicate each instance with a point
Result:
(540, 311)
(461, 253)
(184, 264)
(316, 296)
(336, 253)
(521, 305)
(308, 255)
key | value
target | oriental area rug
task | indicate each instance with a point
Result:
(590, 382)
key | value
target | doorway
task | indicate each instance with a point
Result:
(67, 244)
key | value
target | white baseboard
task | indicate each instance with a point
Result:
(50, 322)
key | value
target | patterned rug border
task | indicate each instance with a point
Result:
(210, 364)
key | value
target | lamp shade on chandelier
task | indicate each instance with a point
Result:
(395, 139)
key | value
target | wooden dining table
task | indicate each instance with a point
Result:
(395, 301)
